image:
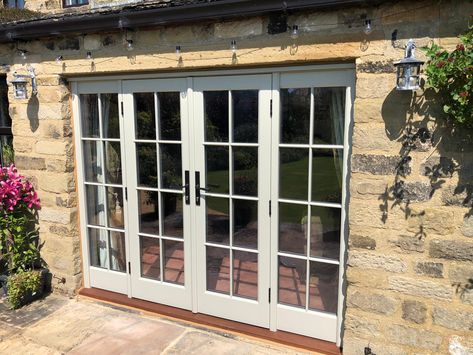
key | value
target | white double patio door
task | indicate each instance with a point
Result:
(222, 195)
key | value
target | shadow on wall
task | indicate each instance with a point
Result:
(32, 112)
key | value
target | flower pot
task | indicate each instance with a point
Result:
(30, 297)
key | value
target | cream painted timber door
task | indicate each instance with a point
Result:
(232, 127)
(156, 132)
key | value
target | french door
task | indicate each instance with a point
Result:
(223, 195)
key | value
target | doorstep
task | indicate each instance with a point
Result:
(289, 339)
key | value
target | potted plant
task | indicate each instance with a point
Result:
(23, 278)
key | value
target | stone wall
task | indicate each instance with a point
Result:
(410, 245)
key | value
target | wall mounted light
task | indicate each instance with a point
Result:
(408, 69)
(367, 27)
(20, 84)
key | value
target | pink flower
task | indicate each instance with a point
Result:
(16, 192)
(460, 47)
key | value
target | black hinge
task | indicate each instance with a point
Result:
(129, 267)
(269, 295)
(271, 108)
(121, 104)
(126, 193)
(269, 208)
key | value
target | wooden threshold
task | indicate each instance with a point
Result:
(281, 337)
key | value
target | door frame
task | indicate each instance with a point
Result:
(103, 80)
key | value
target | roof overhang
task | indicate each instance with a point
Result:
(135, 17)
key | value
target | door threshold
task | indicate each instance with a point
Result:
(280, 337)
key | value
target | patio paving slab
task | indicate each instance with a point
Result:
(58, 325)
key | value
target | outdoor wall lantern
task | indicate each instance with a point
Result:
(408, 69)
(19, 84)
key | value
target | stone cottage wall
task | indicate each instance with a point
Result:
(410, 248)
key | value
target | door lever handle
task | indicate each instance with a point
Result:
(186, 187)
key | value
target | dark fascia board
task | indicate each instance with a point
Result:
(94, 22)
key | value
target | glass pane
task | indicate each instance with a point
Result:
(113, 163)
(95, 205)
(245, 223)
(325, 232)
(218, 220)
(329, 115)
(169, 115)
(172, 215)
(292, 281)
(148, 212)
(295, 115)
(150, 258)
(171, 166)
(147, 164)
(245, 167)
(145, 116)
(93, 161)
(245, 116)
(245, 274)
(294, 171)
(218, 270)
(115, 207)
(117, 251)
(216, 116)
(98, 247)
(7, 153)
(323, 286)
(293, 228)
(173, 261)
(217, 169)
(110, 119)
(327, 175)
(5, 119)
(89, 110)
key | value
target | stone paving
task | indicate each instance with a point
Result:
(58, 325)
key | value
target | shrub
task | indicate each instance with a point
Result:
(23, 287)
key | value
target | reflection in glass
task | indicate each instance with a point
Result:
(145, 116)
(89, 109)
(293, 228)
(150, 258)
(245, 274)
(216, 116)
(117, 251)
(245, 223)
(294, 170)
(113, 167)
(295, 115)
(172, 214)
(110, 119)
(115, 207)
(171, 166)
(327, 175)
(173, 261)
(93, 161)
(245, 171)
(292, 281)
(98, 247)
(147, 164)
(329, 115)
(245, 116)
(218, 220)
(218, 270)
(95, 205)
(323, 286)
(148, 212)
(217, 169)
(325, 232)
(169, 116)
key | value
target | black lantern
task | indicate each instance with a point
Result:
(19, 85)
(408, 69)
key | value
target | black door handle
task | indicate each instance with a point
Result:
(187, 197)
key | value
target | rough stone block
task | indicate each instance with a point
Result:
(51, 148)
(29, 162)
(417, 191)
(420, 288)
(61, 216)
(438, 221)
(375, 164)
(58, 183)
(409, 243)
(460, 273)
(452, 250)
(369, 260)
(361, 325)
(461, 195)
(438, 167)
(92, 42)
(467, 227)
(372, 302)
(374, 67)
(414, 311)
(453, 319)
(418, 338)
(429, 269)
(241, 28)
(354, 346)
(360, 241)
(369, 188)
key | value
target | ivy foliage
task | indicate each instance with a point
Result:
(23, 286)
(451, 75)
